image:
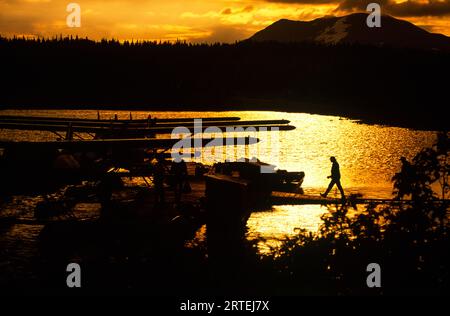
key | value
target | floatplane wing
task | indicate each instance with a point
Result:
(151, 143)
(228, 121)
(158, 128)
(115, 145)
(65, 120)
(49, 165)
(129, 132)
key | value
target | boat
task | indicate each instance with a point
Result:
(258, 178)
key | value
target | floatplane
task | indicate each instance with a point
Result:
(128, 129)
(92, 149)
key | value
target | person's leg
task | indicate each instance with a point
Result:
(338, 184)
(330, 186)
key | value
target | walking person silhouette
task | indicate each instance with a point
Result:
(335, 179)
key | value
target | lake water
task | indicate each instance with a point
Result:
(368, 156)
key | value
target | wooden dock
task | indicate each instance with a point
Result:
(285, 198)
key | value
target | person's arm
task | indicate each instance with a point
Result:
(335, 171)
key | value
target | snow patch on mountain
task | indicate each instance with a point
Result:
(335, 33)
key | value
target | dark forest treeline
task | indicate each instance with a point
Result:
(385, 85)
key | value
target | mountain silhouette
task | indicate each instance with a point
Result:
(384, 85)
(353, 29)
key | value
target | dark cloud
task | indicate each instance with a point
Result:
(224, 34)
(248, 8)
(413, 8)
(408, 8)
(227, 11)
(305, 1)
(360, 5)
(405, 9)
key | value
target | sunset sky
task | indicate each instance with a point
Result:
(196, 20)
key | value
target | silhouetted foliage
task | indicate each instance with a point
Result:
(409, 241)
(429, 167)
(377, 84)
(121, 253)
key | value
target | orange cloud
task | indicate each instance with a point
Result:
(202, 20)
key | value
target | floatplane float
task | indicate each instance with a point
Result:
(132, 129)
(92, 149)
(148, 120)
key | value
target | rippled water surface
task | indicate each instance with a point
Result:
(368, 156)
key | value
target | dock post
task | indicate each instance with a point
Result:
(227, 215)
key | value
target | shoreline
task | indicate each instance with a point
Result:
(265, 105)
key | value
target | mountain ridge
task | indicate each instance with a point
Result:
(352, 29)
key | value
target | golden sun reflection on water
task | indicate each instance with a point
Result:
(270, 228)
(369, 155)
